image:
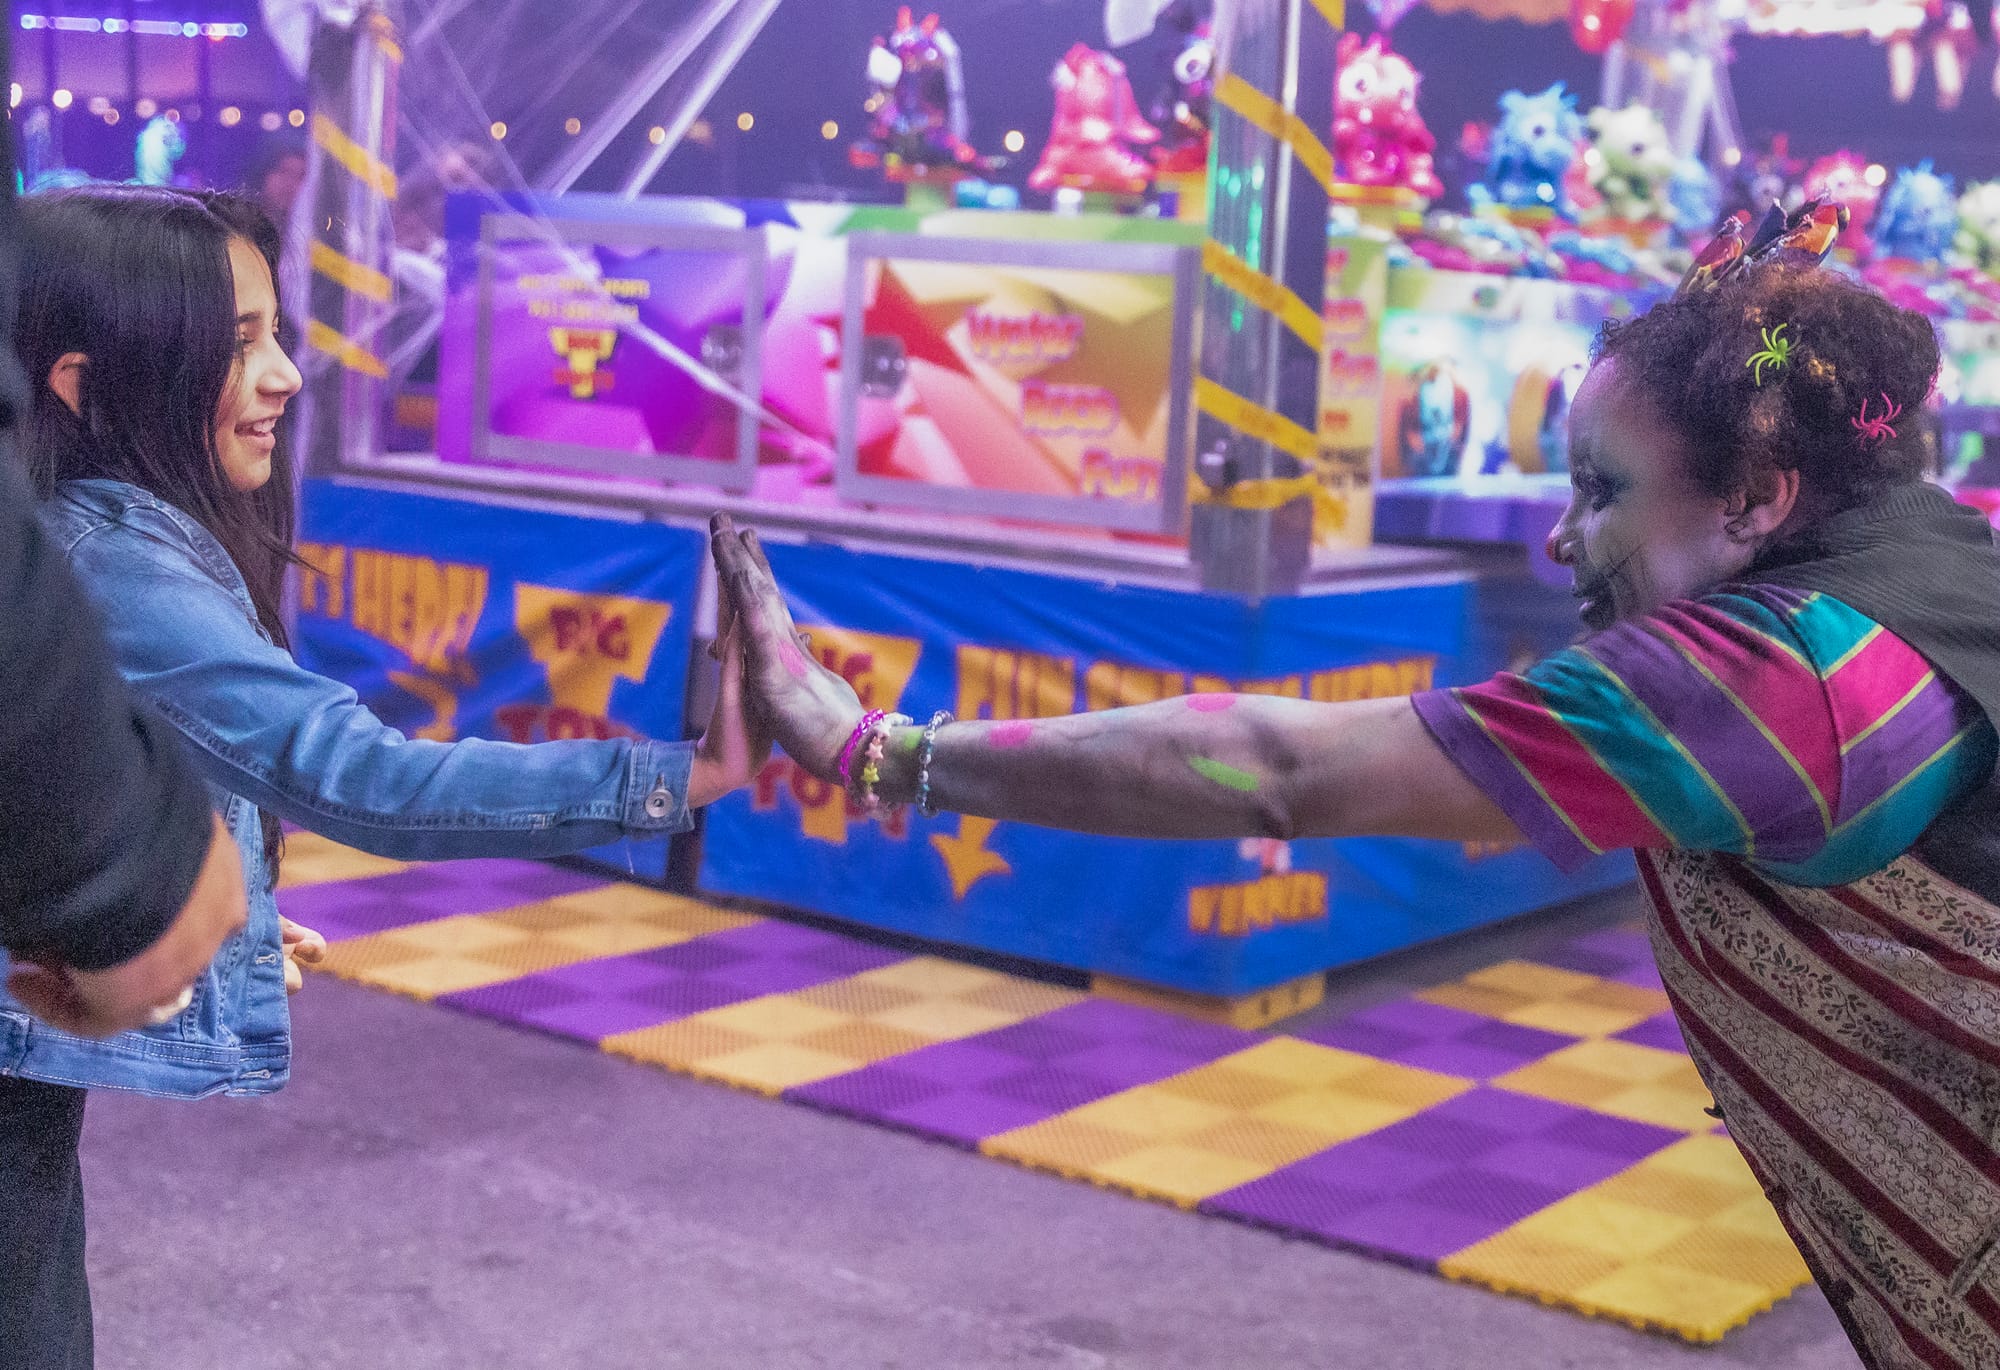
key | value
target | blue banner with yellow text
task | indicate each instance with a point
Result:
(456, 619)
(1210, 917)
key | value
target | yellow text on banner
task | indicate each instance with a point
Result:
(1267, 294)
(1255, 421)
(1262, 112)
(365, 281)
(359, 161)
(323, 337)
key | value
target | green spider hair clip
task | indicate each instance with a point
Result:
(1777, 350)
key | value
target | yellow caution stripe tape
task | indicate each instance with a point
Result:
(365, 281)
(1262, 291)
(1265, 495)
(323, 337)
(364, 165)
(1254, 420)
(1261, 111)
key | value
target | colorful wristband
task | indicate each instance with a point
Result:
(861, 730)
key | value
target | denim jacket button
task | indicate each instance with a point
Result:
(660, 802)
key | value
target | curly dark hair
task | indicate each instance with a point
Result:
(1847, 346)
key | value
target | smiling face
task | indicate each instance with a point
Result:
(261, 380)
(1639, 532)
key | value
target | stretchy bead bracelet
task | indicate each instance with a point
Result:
(861, 730)
(871, 760)
(938, 720)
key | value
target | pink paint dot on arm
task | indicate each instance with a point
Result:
(1211, 704)
(794, 659)
(1015, 734)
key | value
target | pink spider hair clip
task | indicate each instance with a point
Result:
(1882, 426)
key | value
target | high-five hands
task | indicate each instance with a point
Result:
(737, 741)
(809, 709)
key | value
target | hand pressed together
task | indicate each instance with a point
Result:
(809, 709)
(737, 741)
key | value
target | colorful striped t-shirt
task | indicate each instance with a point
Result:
(1779, 726)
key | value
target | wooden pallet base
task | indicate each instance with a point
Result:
(1257, 1010)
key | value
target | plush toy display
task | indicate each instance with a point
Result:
(1532, 149)
(1182, 109)
(1631, 162)
(1918, 218)
(917, 121)
(1097, 129)
(1379, 138)
(1979, 226)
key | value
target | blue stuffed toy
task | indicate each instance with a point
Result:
(1918, 218)
(1534, 145)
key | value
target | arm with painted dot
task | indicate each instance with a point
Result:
(1201, 767)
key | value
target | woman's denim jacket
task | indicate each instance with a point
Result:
(266, 732)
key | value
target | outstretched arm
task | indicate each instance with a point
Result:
(1205, 766)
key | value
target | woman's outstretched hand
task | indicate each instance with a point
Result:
(809, 709)
(737, 741)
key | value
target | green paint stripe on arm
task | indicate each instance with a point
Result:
(1224, 775)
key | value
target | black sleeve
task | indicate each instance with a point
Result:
(103, 825)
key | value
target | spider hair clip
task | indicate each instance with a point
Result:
(1882, 426)
(1777, 350)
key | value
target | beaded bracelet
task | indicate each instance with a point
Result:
(871, 759)
(938, 720)
(861, 730)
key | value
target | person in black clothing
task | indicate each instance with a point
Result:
(117, 880)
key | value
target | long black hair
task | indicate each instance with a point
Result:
(137, 279)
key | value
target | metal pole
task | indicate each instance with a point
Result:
(625, 106)
(705, 86)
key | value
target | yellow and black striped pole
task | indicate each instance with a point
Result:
(353, 119)
(1256, 400)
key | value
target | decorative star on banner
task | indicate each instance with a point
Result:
(966, 858)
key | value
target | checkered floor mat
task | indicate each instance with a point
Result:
(1535, 1127)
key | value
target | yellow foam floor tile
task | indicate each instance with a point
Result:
(473, 950)
(1682, 1242)
(841, 1026)
(1623, 1079)
(1554, 1000)
(1196, 1134)
(313, 860)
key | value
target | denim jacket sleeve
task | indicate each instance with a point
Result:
(307, 749)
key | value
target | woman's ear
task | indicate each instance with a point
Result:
(66, 379)
(1761, 507)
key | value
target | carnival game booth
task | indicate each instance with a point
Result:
(973, 441)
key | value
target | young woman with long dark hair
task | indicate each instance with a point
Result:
(150, 331)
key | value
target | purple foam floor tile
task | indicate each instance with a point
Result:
(1369, 1166)
(771, 975)
(967, 1117)
(354, 908)
(1663, 1032)
(1615, 1137)
(1503, 1113)
(1125, 1064)
(1291, 1202)
(1465, 1060)
(775, 937)
(965, 1064)
(697, 956)
(1541, 1161)
(592, 1020)
(845, 958)
(510, 1000)
(872, 1092)
(682, 997)
(1051, 1089)
(1495, 1200)
(1411, 1231)
(1038, 1039)
(606, 975)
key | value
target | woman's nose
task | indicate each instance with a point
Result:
(1558, 547)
